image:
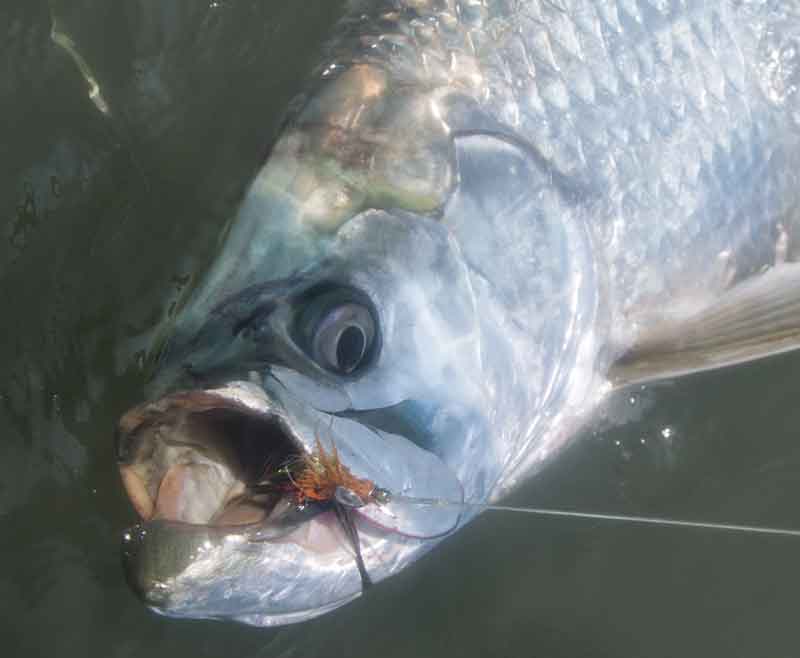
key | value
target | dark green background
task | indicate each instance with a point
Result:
(102, 224)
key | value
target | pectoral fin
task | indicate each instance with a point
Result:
(754, 319)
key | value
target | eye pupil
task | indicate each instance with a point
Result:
(350, 348)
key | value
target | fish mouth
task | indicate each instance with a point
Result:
(227, 532)
(205, 457)
(223, 458)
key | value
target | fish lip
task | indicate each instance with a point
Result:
(246, 401)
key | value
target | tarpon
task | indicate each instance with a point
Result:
(481, 218)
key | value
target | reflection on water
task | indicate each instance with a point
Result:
(105, 219)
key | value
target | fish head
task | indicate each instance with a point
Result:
(374, 351)
(391, 329)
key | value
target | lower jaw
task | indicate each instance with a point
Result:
(173, 567)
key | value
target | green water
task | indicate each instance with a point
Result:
(103, 221)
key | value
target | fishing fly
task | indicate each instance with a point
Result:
(320, 477)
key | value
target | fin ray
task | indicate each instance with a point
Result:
(754, 319)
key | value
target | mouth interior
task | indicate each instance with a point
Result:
(202, 459)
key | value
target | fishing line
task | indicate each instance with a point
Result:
(388, 496)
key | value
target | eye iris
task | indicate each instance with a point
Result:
(350, 348)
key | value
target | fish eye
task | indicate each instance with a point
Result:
(338, 330)
(341, 338)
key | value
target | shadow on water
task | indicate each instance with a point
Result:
(105, 221)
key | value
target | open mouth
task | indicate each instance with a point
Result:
(228, 485)
(243, 460)
(213, 458)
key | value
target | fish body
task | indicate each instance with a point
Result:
(480, 218)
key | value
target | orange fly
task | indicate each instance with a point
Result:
(317, 476)
(320, 477)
